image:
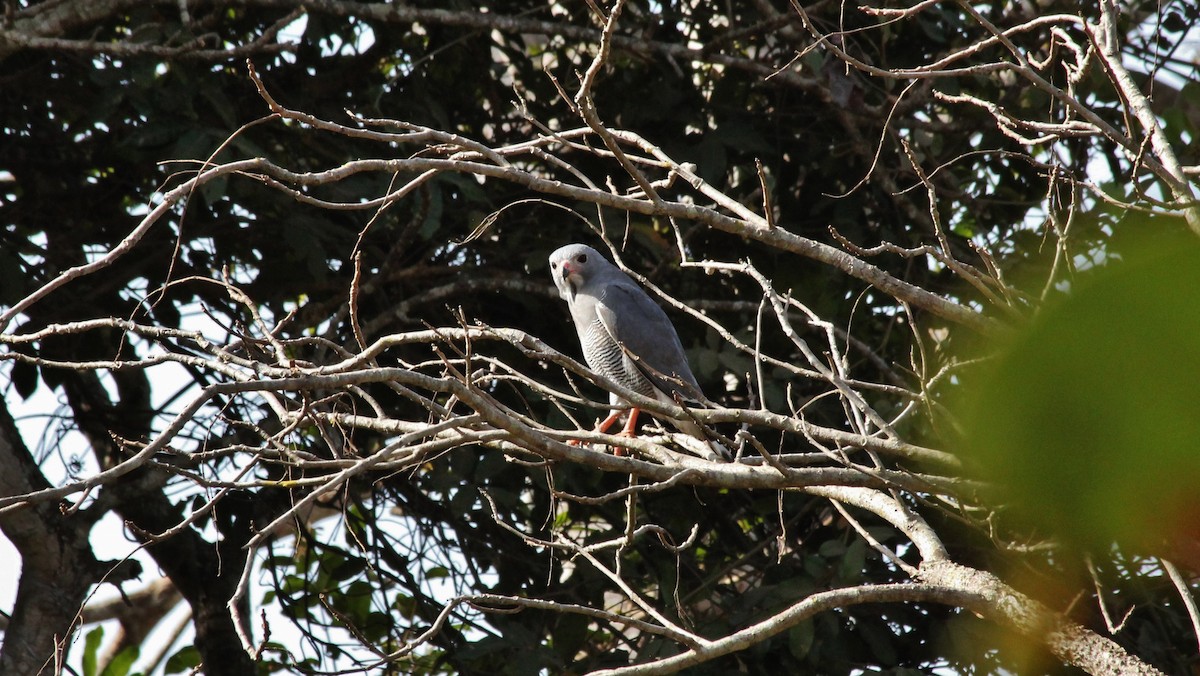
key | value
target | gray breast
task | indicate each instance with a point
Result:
(605, 356)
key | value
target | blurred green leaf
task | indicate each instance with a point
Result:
(1087, 418)
(122, 662)
(184, 660)
(91, 650)
(850, 569)
(800, 639)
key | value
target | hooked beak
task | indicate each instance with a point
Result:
(567, 285)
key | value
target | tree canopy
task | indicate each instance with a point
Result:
(280, 267)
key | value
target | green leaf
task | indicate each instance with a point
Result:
(405, 605)
(569, 634)
(832, 549)
(851, 567)
(1087, 419)
(184, 660)
(879, 640)
(122, 662)
(91, 650)
(800, 639)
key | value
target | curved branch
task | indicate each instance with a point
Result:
(797, 613)
(985, 594)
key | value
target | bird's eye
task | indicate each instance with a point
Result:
(554, 266)
(582, 258)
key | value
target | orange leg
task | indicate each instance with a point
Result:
(631, 425)
(630, 429)
(601, 426)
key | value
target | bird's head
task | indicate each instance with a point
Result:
(573, 266)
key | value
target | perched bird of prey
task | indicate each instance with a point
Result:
(626, 336)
